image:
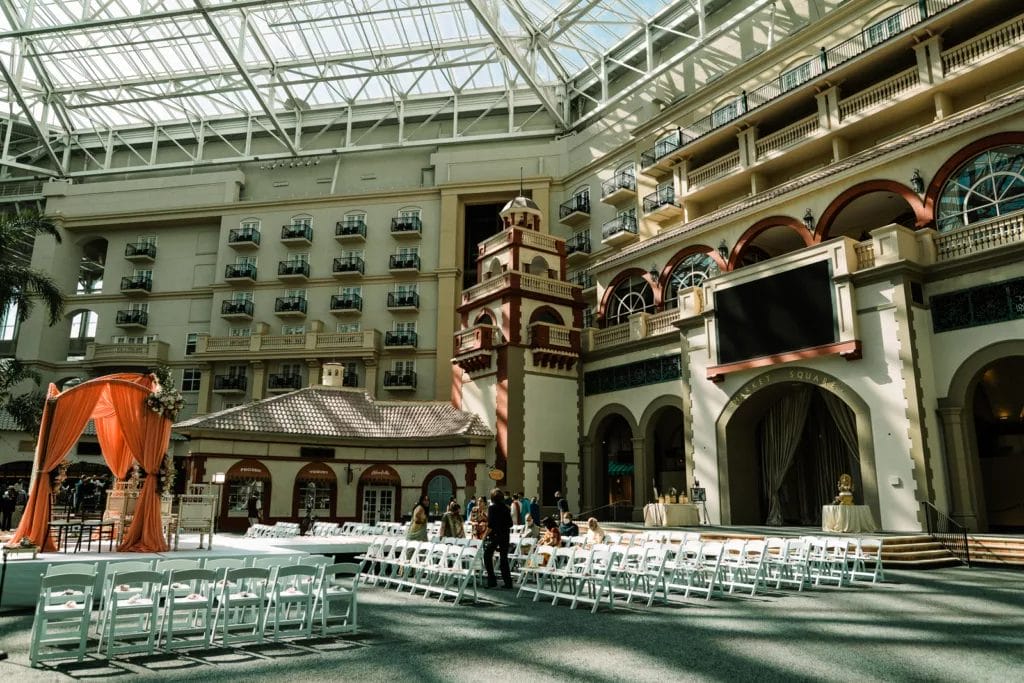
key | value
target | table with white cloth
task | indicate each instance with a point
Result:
(847, 519)
(668, 514)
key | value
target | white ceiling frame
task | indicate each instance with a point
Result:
(44, 139)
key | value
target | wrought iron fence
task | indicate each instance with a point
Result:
(948, 532)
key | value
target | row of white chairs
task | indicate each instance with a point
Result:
(276, 530)
(448, 569)
(187, 608)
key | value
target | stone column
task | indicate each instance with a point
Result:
(641, 474)
(965, 495)
(259, 379)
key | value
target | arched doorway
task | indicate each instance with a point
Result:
(783, 446)
(439, 487)
(615, 456)
(668, 460)
(379, 494)
(997, 406)
(316, 491)
(240, 481)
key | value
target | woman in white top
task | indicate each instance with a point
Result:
(595, 534)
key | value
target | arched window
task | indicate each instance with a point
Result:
(632, 295)
(690, 272)
(989, 185)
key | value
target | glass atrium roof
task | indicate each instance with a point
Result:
(87, 65)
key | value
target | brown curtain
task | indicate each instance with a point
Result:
(782, 428)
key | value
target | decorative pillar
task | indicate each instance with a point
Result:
(259, 379)
(641, 475)
(965, 494)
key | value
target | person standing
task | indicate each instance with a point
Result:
(516, 509)
(535, 509)
(7, 503)
(499, 524)
(254, 507)
(418, 522)
(470, 504)
(561, 503)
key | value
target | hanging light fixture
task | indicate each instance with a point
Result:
(809, 220)
(723, 250)
(654, 272)
(917, 182)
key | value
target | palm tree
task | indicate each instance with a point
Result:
(20, 284)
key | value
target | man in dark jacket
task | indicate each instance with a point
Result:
(562, 503)
(499, 524)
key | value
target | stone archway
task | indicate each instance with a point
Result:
(662, 452)
(967, 491)
(595, 461)
(737, 423)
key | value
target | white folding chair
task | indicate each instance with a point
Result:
(59, 623)
(290, 601)
(189, 614)
(131, 624)
(336, 601)
(867, 561)
(108, 589)
(71, 568)
(218, 564)
(241, 605)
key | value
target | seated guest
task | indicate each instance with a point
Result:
(552, 536)
(530, 530)
(568, 527)
(451, 522)
(595, 534)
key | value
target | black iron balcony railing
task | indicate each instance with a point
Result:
(578, 243)
(669, 144)
(399, 379)
(132, 317)
(244, 236)
(234, 271)
(348, 264)
(623, 180)
(297, 232)
(284, 381)
(350, 227)
(617, 225)
(403, 300)
(236, 307)
(346, 302)
(400, 339)
(665, 196)
(577, 204)
(290, 304)
(230, 382)
(406, 224)
(137, 282)
(404, 262)
(647, 158)
(350, 379)
(140, 250)
(582, 279)
(293, 268)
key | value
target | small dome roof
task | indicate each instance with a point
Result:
(520, 203)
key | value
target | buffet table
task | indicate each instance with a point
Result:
(668, 514)
(847, 519)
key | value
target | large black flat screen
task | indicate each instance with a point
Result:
(778, 313)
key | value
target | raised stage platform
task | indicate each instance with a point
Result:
(22, 576)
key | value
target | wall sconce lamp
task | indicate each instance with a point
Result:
(654, 272)
(723, 251)
(218, 478)
(809, 220)
(348, 473)
(917, 182)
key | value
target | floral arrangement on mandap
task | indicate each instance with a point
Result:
(166, 400)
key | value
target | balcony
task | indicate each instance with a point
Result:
(577, 247)
(398, 381)
(619, 231)
(293, 271)
(136, 285)
(244, 238)
(346, 303)
(657, 161)
(230, 384)
(143, 252)
(283, 382)
(662, 206)
(399, 301)
(554, 346)
(400, 339)
(474, 346)
(240, 272)
(236, 309)
(404, 262)
(132, 319)
(345, 345)
(345, 266)
(290, 306)
(297, 234)
(582, 279)
(575, 211)
(406, 226)
(148, 354)
(350, 229)
(620, 188)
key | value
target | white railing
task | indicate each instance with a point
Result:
(486, 288)
(981, 46)
(881, 94)
(660, 323)
(972, 239)
(340, 340)
(545, 285)
(787, 137)
(865, 254)
(287, 341)
(538, 240)
(466, 340)
(228, 343)
(156, 350)
(611, 336)
(558, 335)
(494, 242)
(716, 169)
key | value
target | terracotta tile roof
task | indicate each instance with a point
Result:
(330, 412)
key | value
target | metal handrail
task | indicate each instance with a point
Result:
(615, 509)
(951, 534)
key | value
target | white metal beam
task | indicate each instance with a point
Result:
(15, 88)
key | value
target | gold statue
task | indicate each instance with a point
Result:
(845, 496)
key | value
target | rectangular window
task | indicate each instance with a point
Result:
(405, 289)
(302, 222)
(408, 251)
(291, 369)
(298, 258)
(136, 339)
(9, 322)
(249, 226)
(146, 239)
(142, 308)
(405, 327)
(237, 370)
(404, 367)
(191, 378)
(191, 341)
(407, 214)
(295, 293)
(245, 261)
(352, 253)
(350, 291)
(242, 296)
(142, 274)
(293, 329)
(628, 213)
(240, 332)
(347, 327)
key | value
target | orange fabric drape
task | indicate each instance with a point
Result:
(63, 422)
(116, 452)
(147, 434)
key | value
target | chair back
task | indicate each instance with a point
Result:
(71, 568)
